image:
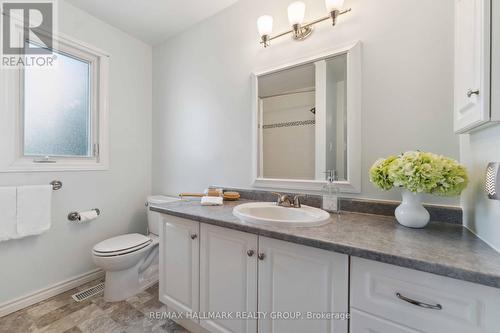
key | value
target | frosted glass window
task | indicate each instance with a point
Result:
(57, 111)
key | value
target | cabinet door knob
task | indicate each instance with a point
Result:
(472, 92)
(261, 256)
(250, 253)
(193, 236)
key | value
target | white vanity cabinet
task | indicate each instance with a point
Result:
(296, 278)
(473, 65)
(285, 287)
(387, 298)
(215, 270)
(179, 264)
(228, 278)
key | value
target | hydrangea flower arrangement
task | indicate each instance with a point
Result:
(420, 172)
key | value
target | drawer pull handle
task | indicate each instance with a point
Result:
(417, 303)
(194, 236)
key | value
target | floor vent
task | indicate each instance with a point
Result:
(87, 293)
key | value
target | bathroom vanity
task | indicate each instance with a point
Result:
(388, 278)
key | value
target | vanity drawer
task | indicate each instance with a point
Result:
(423, 301)
(362, 322)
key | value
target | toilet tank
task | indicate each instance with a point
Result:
(155, 217)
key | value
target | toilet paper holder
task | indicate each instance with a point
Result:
(75, 216)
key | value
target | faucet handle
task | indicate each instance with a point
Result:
(280, 196)
(296, 200)
(283, 200)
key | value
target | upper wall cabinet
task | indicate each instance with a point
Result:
(473, 65)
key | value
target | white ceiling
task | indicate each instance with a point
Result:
(286, 81)
(300, 77)
(152, 21)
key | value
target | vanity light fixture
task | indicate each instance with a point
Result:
(296, 11)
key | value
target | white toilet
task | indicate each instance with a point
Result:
(130, 261)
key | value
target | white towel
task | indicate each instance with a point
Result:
(211, 201)
(34, 205)
(7, 213)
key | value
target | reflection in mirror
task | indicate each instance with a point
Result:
(287, 106)
(336, 116)
(302, 121)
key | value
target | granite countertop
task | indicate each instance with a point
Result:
(441, 248)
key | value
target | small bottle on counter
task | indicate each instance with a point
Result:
(331, 192)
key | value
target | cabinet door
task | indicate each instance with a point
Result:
(179, 264)
(472, 63)
(296, 280)
(228, 278)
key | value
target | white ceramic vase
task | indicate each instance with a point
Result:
(411, 213)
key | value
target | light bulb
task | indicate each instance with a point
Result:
(265, 25)
(296, 12)
(332, 5)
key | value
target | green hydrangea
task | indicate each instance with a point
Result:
(420, 172)
(379, 173)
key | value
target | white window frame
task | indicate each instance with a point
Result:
(12, 158)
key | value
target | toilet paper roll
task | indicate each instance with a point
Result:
(88, 216)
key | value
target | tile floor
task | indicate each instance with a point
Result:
(61, 314)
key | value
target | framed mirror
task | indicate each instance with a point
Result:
(307, 122)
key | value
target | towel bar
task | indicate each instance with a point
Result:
(56, 184)
(75, 216)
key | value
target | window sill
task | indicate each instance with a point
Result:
(24, 166)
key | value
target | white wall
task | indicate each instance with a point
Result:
(202, 104)
(64, 251)
(336, 154)
(481, 215)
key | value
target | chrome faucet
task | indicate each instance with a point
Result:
(284, 200)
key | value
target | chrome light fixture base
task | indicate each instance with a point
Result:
(301, 33)
(265, 40)
(333, 15)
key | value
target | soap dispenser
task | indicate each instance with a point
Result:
(331, 192)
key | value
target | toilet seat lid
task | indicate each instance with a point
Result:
(121, 243)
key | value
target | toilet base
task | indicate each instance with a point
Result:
(120, 285)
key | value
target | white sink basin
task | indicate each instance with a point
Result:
(268, 213)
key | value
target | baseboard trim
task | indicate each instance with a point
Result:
(45, 293)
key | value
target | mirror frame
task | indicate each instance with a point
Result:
(354, 86)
